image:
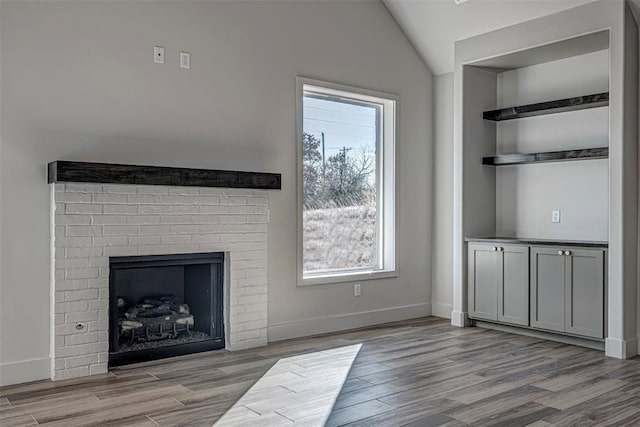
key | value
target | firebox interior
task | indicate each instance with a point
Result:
(165, 305)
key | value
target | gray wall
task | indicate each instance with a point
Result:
(78, 82)
(442, 259)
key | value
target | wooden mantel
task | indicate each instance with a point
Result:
(108, 173)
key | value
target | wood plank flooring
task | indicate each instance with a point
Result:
(301, 388)
(421, 372)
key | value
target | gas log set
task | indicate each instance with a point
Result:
(153, 319)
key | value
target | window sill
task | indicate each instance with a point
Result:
(347, 277)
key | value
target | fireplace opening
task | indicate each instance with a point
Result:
(164, 306)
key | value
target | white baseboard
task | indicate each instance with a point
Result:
(24, 371)
(621, 349)
(321, 325)
(440, 309)
(459, 318)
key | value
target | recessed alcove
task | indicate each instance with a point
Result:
(576, 53)
(542, 115)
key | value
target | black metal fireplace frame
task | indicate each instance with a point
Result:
(215, 259)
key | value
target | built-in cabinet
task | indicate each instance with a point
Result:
(499, 283)
(548, 289)
(547, 285)
(552, 288)
(545, 148)
(567, 290)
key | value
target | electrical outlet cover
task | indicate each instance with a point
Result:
(158, 54)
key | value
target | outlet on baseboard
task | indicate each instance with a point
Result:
(357, 290)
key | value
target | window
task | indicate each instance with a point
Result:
(346, 155)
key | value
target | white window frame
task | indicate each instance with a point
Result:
(386, 199)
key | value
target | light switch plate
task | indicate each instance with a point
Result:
(185, 60)
(555, 216)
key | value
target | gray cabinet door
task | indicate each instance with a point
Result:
(483, 281)
(584, 293)
(548, 271)
(513, 285)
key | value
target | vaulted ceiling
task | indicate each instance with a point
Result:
(434, 25)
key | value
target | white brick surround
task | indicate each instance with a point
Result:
(92, 222)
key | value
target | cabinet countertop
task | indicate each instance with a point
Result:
(533, 241)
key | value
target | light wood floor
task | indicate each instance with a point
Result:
(421, 373)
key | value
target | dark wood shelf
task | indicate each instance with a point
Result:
(108, 173)
(549, 107)
(549, 156)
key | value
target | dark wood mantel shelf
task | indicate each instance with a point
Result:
(108, 173)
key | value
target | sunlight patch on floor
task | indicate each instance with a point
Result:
(298, 390)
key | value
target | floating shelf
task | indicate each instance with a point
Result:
(549, 107)
(549, 156)
(107, 173)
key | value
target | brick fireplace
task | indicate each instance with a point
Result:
(92, 222)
